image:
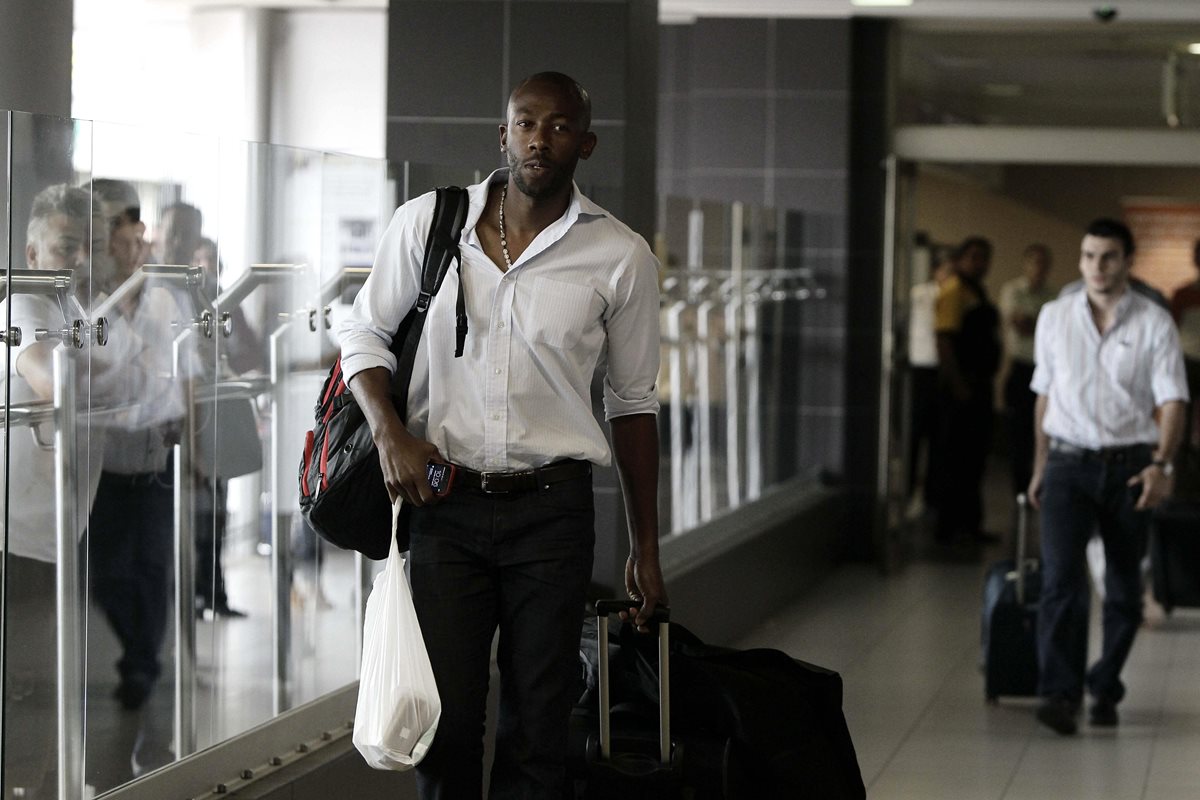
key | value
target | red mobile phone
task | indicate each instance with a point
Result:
(441, 478)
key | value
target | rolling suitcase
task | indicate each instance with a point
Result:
(627, 751)
(1175, 555)
(1009, 624)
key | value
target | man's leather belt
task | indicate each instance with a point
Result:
(1111, 454)
(525, 481)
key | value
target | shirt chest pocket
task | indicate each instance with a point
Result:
(560, 312)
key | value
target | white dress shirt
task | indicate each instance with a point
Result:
(922, 340)
(1103, 389)
(585, 290)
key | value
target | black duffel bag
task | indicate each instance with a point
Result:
(342, 493)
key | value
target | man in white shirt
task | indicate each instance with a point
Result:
(554, 285)
(1108, 362)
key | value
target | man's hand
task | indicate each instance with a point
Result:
(404, 459)
(1156, 486)
(1034, 493)
(644, 583)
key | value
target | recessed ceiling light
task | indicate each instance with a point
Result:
(1194, 48)
(881, 2)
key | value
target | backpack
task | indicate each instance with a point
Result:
(342, 493)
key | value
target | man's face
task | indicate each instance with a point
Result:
(127, 246)
(1037, 267)
(64, 244)
(178, 236)
(544, 139)
(1103, 265)
(975, 262)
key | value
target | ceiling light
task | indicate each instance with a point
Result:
(881, 2)
(1194, 48)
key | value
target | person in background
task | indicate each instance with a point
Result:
(553, 285)
(1021, 299)
(1185, 308)
(923, 367)
(968, 345)
(179, 234)
(1099, 465)
(131, 527)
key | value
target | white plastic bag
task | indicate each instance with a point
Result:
(398, 702)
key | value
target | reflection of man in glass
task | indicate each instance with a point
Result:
(179, 234)
(131, 527)
(58, 238)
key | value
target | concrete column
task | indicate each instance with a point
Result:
(451, 64)
(35, 56)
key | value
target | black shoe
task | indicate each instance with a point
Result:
(1103, 714)
(225, 610)
(1058, 714)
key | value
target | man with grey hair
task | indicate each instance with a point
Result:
(58, 238)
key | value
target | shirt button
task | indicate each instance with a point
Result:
(496, 417)
(499, 324)
(498, 370)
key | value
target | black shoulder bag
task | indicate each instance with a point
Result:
(342, 493)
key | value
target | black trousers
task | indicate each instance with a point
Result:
(965, 430)
(131, 546)
(521, 563)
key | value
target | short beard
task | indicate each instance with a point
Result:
(552, 187)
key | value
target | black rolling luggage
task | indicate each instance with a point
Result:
(1009, 629)
(1175, 554)
(629, 753)
(744, 724)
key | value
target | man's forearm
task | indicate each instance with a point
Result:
(1170, 429)
(372, 388)
(635, 448)
(1041, 442)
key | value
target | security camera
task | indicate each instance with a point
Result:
(1104, 13)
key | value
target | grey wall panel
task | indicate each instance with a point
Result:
(585, 40)
(472, 146)
(444, 58)
(812, 131)
(729, 54)
(728, 132)
(823, 192)
(812, 54)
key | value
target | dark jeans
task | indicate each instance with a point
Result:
(520, 562)
(211, 521)
(131, 548)
(1019, 400)
(1080, 495)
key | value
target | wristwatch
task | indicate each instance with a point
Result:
(1167, 467)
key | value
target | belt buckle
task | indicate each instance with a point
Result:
(485, 482)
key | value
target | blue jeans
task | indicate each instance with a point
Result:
(1082, 494)
(519, 562)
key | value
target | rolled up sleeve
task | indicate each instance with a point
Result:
(365, 333)
(1043, 370)
(1168, 377)
(632, 324)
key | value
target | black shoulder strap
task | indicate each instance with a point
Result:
(441, 247)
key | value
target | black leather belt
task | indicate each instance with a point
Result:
(525, 481)
(1118, 454)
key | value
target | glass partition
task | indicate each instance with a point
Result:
(176, 297)
(170, 312)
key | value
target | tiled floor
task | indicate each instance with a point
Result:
(907, 647)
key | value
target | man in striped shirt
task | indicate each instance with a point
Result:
(554, 286)
(1108, 363)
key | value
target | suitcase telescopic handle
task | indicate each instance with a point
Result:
(662, 616)
(1022, 533)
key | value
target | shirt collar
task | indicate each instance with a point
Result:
(1124, 306)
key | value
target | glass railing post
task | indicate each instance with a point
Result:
(281, 567)
(69, 600)
(185, 555)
